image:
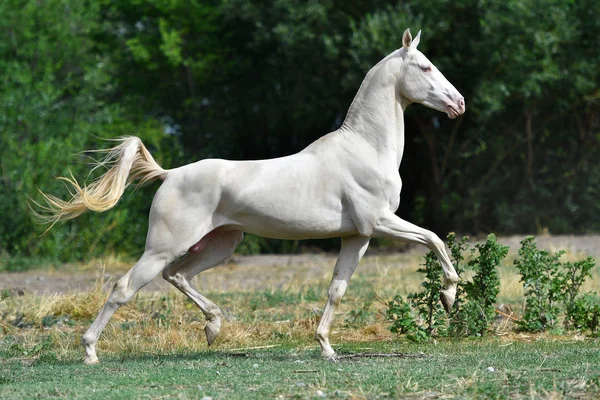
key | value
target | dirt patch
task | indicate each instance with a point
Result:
(263, 271)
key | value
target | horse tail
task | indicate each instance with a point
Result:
(130, 161)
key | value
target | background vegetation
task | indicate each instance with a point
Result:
(248, 79)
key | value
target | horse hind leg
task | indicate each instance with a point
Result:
(209, 252)
(137, 277)
(147, 268)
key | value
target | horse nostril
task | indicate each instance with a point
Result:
(461, 102)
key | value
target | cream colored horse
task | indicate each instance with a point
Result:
(346, 184)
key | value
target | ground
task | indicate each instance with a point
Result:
(154, 347)
(255, 272)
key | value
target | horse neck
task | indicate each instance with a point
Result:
(376, 113)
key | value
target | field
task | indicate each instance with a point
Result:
(155, 347)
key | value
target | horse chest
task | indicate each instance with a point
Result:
(373, 195)
(391, 189)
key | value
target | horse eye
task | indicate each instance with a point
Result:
(426, 69)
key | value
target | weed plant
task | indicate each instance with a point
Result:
(551, 290)
(475, 313)
(422, 317)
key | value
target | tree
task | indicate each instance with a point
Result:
(53, 98)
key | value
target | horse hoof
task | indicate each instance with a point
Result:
(447, 300)
(212, 329)
(91, 361)
(328, 354)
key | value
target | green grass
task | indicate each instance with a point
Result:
(155, 347)
(542, 369)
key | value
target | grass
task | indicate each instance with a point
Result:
(488, 368)
(155, 347)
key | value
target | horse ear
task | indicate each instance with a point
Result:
(406, 39)
(416, 40)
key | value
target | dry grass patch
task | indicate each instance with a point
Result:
(262, 305)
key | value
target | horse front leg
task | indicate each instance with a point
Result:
(353, 248)
(390, 226)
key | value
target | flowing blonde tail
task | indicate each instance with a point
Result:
(130, 160)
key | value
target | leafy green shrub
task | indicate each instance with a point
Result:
(583, 314)
(540, 274)
(399, 312)
(551, 292)
(475, 311)
(579, 312)
(422, 315)
(484, 287)
(429, 316)
(432, 316)
(552, 289)
(460, 316)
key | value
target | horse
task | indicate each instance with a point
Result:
(345, 184)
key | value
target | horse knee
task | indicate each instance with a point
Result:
(88, 339)
(436, 242)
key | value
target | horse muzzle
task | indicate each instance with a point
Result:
(457, 108)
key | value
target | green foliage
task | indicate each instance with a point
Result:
(541, 277)
(482, 290)
(580, 312)
(552, 293)
(527, 137)
(552, 288)
(50, 97)
(422, 316)
(250, 245)
(429, 318)
(462, 315)
(427, 302)
(253, 79)
(583, 314)
(400, 313)
(54, 95)
(474, 310)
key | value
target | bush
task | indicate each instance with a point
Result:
(422, 316)
(580, 313)
(540, 274)
(552, 289)
(403, 322)
(474, 313)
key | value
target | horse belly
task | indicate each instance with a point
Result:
(293, 227)
(286, 213)
(294, 197)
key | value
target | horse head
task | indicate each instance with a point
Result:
(421, 82)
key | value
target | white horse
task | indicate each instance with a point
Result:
(345, 184)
